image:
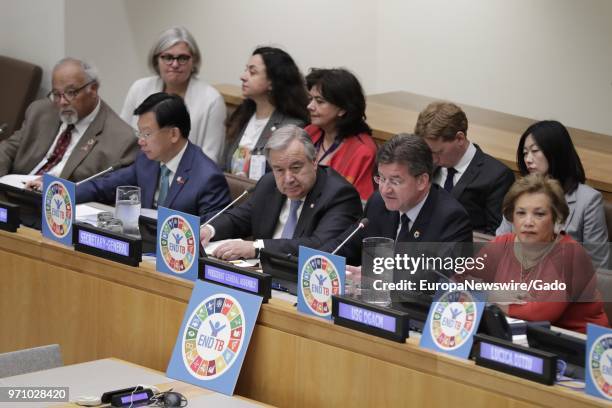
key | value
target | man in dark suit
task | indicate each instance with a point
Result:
(478, 181)
(298, 203)
(171, 171)
(407, 207)
(73, 135)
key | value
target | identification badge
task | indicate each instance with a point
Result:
(257, 167)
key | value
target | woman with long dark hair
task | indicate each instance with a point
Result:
(274, 95)
(546, 148)
(338, 126)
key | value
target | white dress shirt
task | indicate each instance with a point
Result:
(461, 167)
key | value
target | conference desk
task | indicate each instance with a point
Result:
(97, 309)
(94, 378)
(495, 132)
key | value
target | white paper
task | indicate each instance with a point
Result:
(87, 213)
(17, 180)
(149, 213)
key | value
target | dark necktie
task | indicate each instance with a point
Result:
(291, 223)
(405, 226)
(58, 151)
(450, 175)
(164, 185)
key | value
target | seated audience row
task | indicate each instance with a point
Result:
(433, 186)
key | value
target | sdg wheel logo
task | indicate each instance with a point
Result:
(58, 209)
(213, 337)
(319, 282)
(453, 320)
(600, 365)
(177, 244)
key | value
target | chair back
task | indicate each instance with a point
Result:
(238, 184)
(19, 82)
(30, 360)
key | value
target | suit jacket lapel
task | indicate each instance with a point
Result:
(181, 176)
(268, 219)
(149, 184)
(44, 142)
(571, 203)
(472, 171)
(419, 226)
(309, 208)
(86, 142)
(274, 122)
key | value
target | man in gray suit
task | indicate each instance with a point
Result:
(73, 134)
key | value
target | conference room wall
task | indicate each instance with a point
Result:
(535, 58)
(33, 31)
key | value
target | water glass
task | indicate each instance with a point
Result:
(127, 208)
(374, 251)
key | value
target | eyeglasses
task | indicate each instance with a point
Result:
(169, 59)
(147, 134)
(394, 182)
(69, 94)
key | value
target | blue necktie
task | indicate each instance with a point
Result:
(164, 185)
(450, 175)
(291, 223)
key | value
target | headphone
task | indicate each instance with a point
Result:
(169, 399)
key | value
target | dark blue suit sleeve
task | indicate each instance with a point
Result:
(214, 197)
(103, 189)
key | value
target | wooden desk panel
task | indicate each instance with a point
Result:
(97, 309)
(497, 133)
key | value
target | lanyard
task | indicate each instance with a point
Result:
(329, 151)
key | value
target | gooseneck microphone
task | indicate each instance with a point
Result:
(115, 166)
(245, 192)
(362, 224)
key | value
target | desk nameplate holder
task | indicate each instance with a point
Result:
(507, 357)
(364, 317)
(107, 244)
(9, 216)
(226, 274)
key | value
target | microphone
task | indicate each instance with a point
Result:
(362, 224)
(115, 166)
(245, 192)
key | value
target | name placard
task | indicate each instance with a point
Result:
(365, 317)
(232, 276)
(214, 337)
(178, 243)
(452, 321)
(58, 208)
(107, 244)
(599, 361)
(502, 355)
(9, 216)
(320, 276)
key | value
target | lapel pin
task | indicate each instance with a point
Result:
(273, 128)
(89, 144)
(180, 180)
(417, 234)
(311, 205)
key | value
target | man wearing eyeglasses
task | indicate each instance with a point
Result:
(73, 134)
(407, 207)
(170, 170)
(297, 203)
